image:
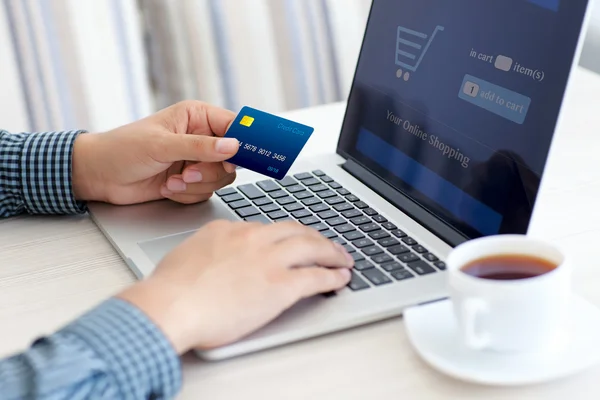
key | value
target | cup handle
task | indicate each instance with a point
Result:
(472, 310)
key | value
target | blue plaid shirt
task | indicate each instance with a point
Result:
(113, 351)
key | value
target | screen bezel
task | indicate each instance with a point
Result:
(406, 202)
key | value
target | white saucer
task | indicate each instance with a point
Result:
(433, 332)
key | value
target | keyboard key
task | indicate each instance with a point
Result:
(357, 283)
(262, 201)
(278, 194)
(335, 185)
(369, 211)
(277, 214)
(303, 175)
(239, 204)
(408, 257)
(387, 242)
(269, 208)
(344, 228)
(401, 275)
(251, 191)
(398, 249)
(327, 214)
(303, 195)
(409, 241)
(319, 207)
(320, 227)
(420, 249)
(360, 220)
(392, 266)
(376, 276)
(286, 200)
(301, 214)
(318, 188)
(288, 181)
(351, 213)
(247, 211)
(430, 257)
(311, 181)
(421, 267)
(440, 265)
(318, 172)
(258, 218)
(326, 194)
(329, 234)
(334, 200)
(325, 178)
(268, 185)
(310, 220)
(398, 233)
(360, 243)
(343, 191)
(295, 189)
(338, 239)
(360, 204)
(342, 207)
(352, 198)
(354, 235)
(232, 197)
(357, 256)
(349, 248)
(382, 259)
(310, 201)
(372, 250)
(293, 207)
(379, 235)
(362, 265)
(369, 227)
(389, 226)
(225, 191)
(379, 218)
(336, 221)
(286, 218)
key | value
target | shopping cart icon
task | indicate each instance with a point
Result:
(411, 47)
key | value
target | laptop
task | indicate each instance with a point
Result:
(448, 126)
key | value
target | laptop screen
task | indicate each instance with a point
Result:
(455, 103)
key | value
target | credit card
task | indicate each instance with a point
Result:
(269, 144)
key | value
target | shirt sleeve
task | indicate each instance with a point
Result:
(112, 352)
(36, 173)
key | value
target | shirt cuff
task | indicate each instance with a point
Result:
(140, 357)
(46, 173)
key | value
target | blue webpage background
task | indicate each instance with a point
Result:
(505, 159)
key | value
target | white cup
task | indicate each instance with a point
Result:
(521, 315)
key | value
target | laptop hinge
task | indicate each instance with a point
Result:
(404, 203)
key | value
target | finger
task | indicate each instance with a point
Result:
(204, 172)
(307, 250)
(229, 167)
(185, 198)
(197, 148)
(310, 281)
(283, 230)
(176, 185)
(206, 119)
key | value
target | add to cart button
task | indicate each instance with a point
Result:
(496, 99)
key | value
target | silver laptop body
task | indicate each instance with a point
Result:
(408, 268)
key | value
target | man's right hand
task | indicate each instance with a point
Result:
(231, 278)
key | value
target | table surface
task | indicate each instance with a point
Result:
(55, 268)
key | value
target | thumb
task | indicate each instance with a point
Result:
(199, 148)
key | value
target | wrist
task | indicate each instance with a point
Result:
(87, 185)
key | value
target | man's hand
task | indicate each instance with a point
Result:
(176, 153)
(231, 278)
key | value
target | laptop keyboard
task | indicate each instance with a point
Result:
(382, 252)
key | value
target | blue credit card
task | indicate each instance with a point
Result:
(269, 144)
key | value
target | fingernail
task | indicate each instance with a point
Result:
(345, 273)
(176, 185)
(164, 192)
(226, 145)
(342, 250)
(229, 167)
(192, 176)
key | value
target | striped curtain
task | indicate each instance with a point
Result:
(97, 64)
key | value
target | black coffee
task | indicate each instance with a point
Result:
(508, 267)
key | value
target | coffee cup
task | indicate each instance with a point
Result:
(510, 293)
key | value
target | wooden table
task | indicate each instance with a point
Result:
(54, 268)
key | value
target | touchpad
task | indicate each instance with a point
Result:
(157, 248)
